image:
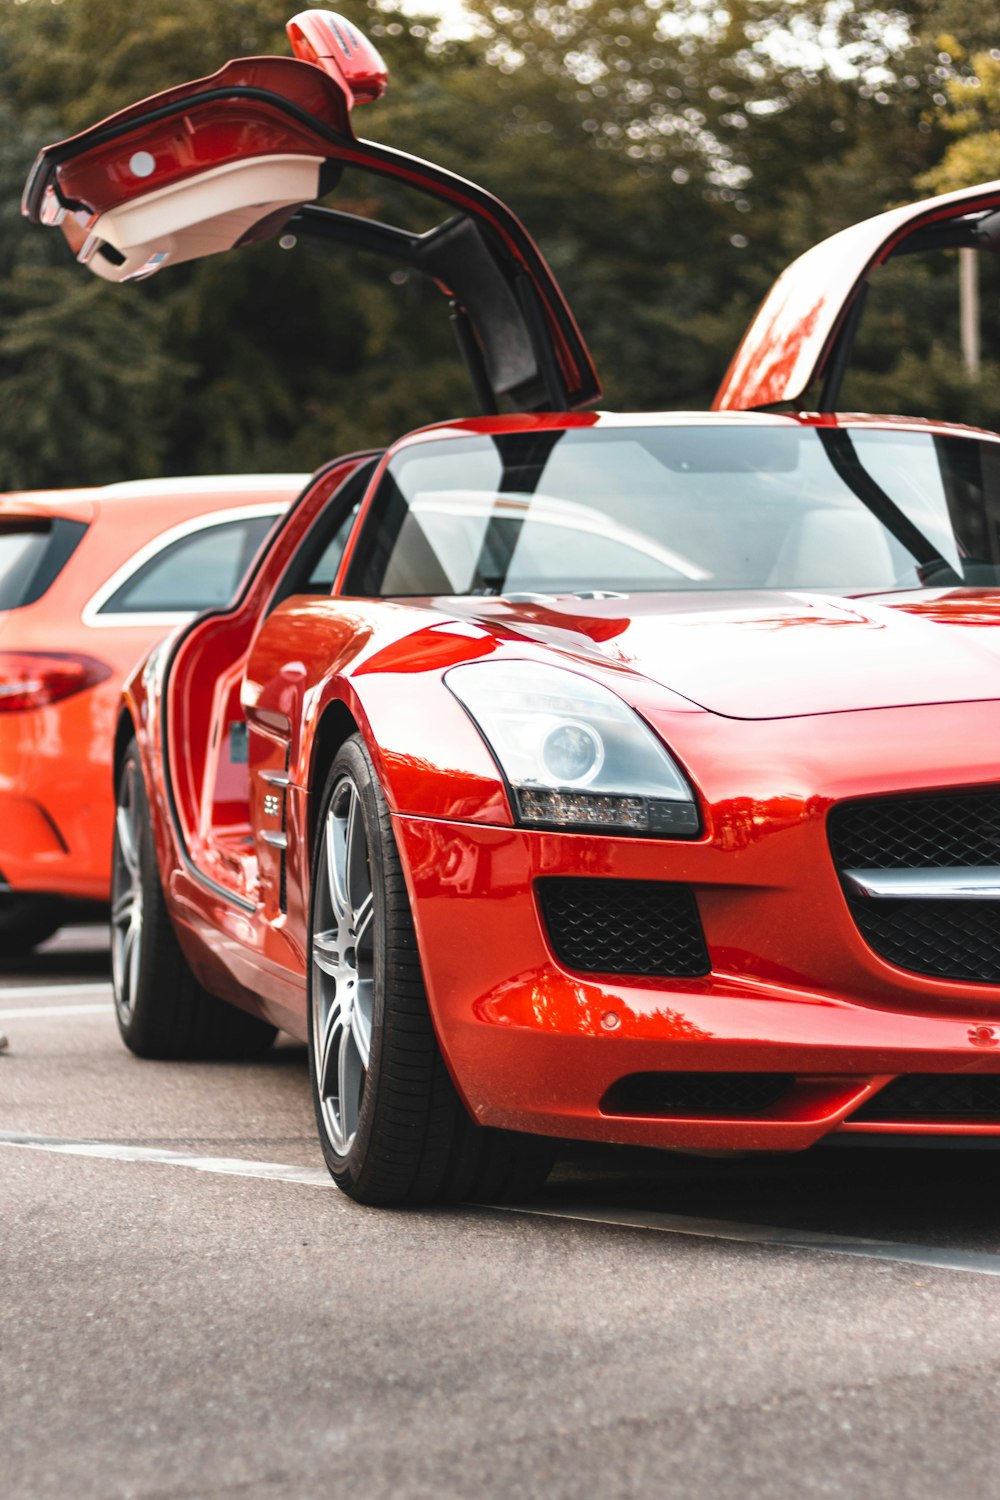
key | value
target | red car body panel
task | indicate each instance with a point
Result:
(788, 344)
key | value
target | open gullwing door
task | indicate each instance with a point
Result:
(804, 332)
(244, 154)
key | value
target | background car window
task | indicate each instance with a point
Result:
(195, 572)
(32, 555)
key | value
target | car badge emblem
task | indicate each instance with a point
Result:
(984, 1036)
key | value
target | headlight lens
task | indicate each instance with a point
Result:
(573, 753)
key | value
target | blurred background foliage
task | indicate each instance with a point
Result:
(669, 159)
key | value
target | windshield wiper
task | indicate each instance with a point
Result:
(846, 464)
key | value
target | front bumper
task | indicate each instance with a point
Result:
(793, 990)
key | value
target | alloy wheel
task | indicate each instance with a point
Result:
(342, 960)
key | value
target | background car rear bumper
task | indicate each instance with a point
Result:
(56, 797)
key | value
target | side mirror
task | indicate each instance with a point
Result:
(333, 44)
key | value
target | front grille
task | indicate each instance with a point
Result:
(957, 940)
(935, 1096)
(910, 833)
(946, 939)
(726, 1096)
(643, 927)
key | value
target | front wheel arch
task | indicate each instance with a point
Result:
(335, 727)
(125, 733)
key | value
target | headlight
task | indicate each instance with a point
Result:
(573, 754)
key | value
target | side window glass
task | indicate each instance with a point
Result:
(315, 565)
(200, 571)
(324, 570)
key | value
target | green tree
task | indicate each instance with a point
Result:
(669, 160)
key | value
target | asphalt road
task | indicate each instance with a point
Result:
(189, 1309)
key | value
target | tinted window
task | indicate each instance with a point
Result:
(324, 570)
(195, 572)
(32, 555)
(317, 560)
(713, 506)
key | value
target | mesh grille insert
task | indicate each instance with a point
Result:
(932, 1096)
(728, 1096)
(946, 939)
(909, 833)
(647, 927)
(958, 940)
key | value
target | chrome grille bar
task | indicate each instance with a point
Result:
(949, 883)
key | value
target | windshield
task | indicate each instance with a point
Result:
(713, 506)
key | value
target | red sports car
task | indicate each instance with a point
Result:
(621, 777)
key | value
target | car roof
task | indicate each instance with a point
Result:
(609, 421)
(192, 493)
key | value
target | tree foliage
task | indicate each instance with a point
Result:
(670, 159)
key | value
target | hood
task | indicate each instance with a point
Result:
(777, 655)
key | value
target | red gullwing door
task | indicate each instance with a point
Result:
(805, 328)
(242, 156)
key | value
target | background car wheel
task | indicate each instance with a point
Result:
(162, 1010)
(391, 1124)
(26, 921)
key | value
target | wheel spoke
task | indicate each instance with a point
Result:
(350, 1075)
(133, 969)
(326, 953)
(362, 923)
(126, 839)
(361, 1021)
(330, 1045)
(357, 884)
(335, 854)
(123, 907)
(129, 967)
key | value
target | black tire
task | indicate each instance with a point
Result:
(162, 1010)
(26, 921)
(397, 1132)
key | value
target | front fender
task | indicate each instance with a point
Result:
(384, 663)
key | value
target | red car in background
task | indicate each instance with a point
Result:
(636, 779)
(89, 581)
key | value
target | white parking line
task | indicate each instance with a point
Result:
(28, 991)
(974, 1262)
(982, 1263)
(228, 1166)
(28, 1012)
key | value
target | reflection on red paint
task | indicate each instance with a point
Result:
(971, 607)
(429, 650)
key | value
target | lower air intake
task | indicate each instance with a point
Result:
(643, 927)
(726, 1096)
(935, 1096)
